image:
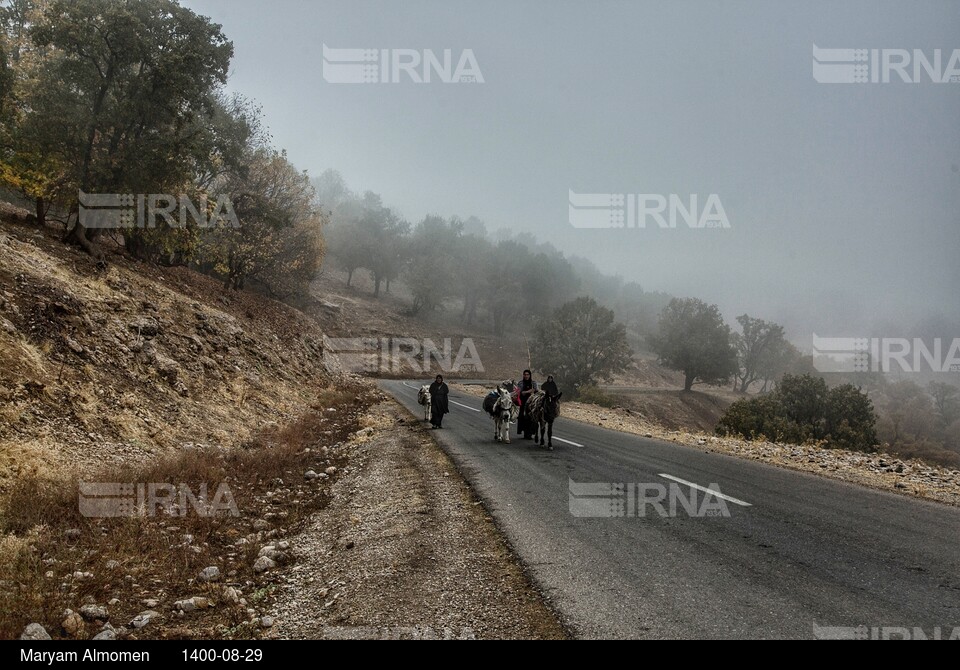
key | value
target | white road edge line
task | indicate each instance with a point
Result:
(707, 490)
(560, 439)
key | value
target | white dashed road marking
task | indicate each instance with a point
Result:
(707, 490)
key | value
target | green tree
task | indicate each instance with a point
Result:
(756, 347)
(803, 409)
(117, 102)
(501, 284)
(946, 399)
(850, 422)
(580, 344)
(694, 339)
(804, 401)
(756, 418)
(381, 234)
(472, 257)
(431, 274)
(279, 242)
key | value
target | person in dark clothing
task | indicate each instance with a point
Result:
(550, 387)
(527, 388)
(438, 401)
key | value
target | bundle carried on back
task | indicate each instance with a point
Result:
(489, 402)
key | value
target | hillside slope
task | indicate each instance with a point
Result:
(128, 363)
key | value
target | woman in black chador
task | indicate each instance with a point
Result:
(438, 401)
(527, 388)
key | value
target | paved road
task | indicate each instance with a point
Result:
(806, 553)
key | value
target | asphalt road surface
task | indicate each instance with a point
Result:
(782, 555)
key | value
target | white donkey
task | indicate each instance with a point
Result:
(423, 397)
(504, 412)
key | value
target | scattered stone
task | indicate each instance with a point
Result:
(144, 618)
(231, 595)
(266, 622)
(35, 631)
(94, 612)
(210, 574)
(331, 471)
(72, 533)
(74, 346)
(111, 564)
(187, 605)
(269, 551)
(72, 623)
(147, 326)
(150, 603)
(310, 474)
(108, 633)
(263, 564)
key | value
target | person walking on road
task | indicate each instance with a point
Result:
(527, 388)
(438, 401)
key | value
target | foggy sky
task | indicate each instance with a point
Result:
(843, 199)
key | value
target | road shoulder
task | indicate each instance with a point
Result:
(405, 550)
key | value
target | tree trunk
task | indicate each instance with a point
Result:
(688, 380)
(349, 277)
(376, 286)
(41, 213)
(78, 235)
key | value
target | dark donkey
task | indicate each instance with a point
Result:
(544, 408)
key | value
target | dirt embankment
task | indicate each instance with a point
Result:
(129, 363)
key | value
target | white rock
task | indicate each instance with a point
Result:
(144, 618)
(35, 631)
(108, 633)
(210, 574)
(263, 564)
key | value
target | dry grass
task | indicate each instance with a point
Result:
(38, 558)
